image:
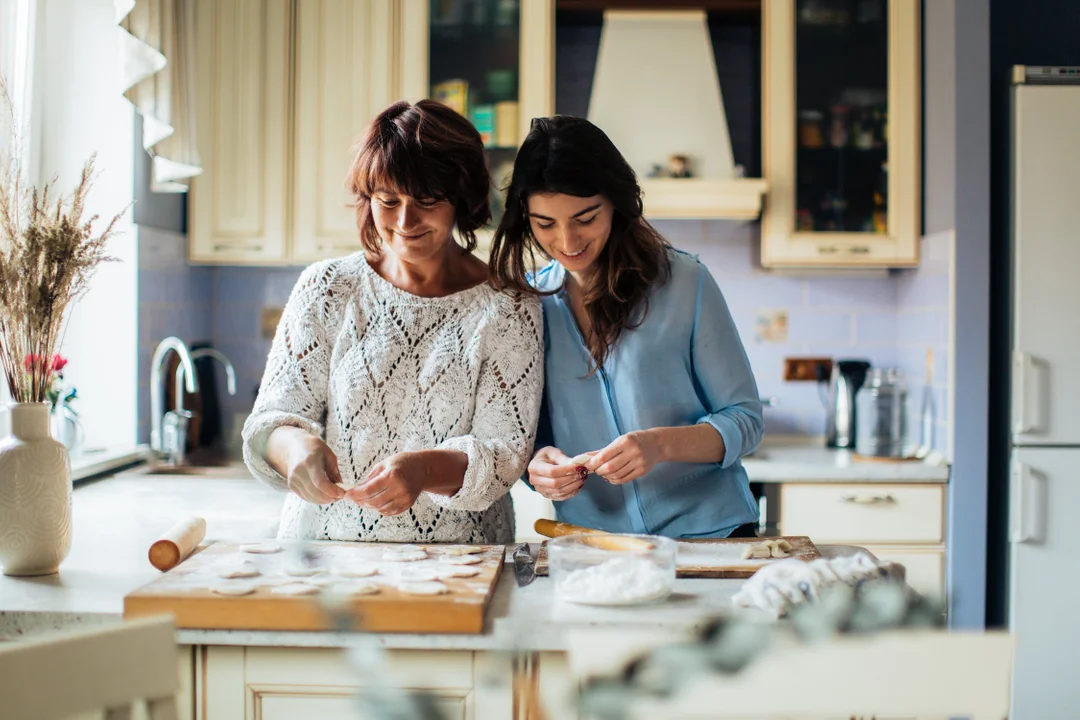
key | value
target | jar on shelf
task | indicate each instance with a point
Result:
(810, 133)
(882, 412)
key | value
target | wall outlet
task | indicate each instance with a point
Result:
(269, 318)
(807, 368)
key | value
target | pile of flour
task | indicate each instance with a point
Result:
(620, 581)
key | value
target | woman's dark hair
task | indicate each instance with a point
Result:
(425, 150)
(571, 156)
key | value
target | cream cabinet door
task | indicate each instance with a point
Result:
(275, 683)
(238, 206)
(345, 76)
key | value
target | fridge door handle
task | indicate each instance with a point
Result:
(1026, 502)
(1027, 401)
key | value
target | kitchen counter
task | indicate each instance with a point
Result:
(117, 518)
(818, 464)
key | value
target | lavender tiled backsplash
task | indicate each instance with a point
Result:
(889, 320)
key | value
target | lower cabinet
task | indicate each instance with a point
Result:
(272, 683)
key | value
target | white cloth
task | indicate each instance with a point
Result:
(779, 586)
(376, 371)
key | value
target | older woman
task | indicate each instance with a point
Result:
(401, 394)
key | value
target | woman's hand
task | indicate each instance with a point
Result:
(628, 458)
(392, 486)
(554, 475)
(308, 464)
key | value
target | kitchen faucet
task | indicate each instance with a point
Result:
(176, 421)
(157, 391)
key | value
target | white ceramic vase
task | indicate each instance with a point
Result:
(35, 495)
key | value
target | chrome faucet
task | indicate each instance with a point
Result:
(176, 421)
(157, 390)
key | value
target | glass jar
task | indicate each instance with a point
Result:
(612, 569)
(882, 414)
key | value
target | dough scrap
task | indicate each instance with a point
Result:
(458, 571)
(458, 550)
(297, 588)
(245, 569)
(404, 555)
(418, 574)
(299, 570)
(766, 549)
(360, 587)
(233, 589)
(460, 559)
(581, 459)
(261, 548)
(431, 587)
(356, 571)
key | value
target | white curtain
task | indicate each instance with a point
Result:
(158, 57)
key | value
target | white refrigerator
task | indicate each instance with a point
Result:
(1044, 490)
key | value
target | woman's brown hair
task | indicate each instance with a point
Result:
(570, 155)
(424, 150)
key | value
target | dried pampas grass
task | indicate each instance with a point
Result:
(47, 257)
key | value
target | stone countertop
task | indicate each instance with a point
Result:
(818, 464)
(118, 517)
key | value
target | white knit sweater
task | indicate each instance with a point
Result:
(376, 371)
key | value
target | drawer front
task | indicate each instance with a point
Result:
(870, 513)
(925, 569)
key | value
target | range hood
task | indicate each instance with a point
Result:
(656, 94)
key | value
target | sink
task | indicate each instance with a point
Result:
(231, 470)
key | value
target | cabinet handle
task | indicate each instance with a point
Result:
(238, 246)
(851, 250)
(869, 499)
(1027, 502)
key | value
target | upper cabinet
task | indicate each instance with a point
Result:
(238, 207)
(841, 149)
(284, 88)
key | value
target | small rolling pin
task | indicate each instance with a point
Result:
(602, 540)
(171, 548)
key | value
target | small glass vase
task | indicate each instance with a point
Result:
(35, 494)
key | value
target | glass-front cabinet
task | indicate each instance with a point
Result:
(841, 148)
(491, 60)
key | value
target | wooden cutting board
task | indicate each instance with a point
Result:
(186, 591)
(717, 557)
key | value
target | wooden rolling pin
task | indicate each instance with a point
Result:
(171, 548)
(602, 539)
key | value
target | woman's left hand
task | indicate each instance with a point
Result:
(628, 458)
(392, 486)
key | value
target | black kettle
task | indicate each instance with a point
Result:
(846, 378)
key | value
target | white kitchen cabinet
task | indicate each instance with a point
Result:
(345, 55)
(840, 137)
(276, 683)
(903, 523)
(238, 207)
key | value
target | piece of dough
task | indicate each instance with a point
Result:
(261, 548)
(783, 544)
(417, 574)
(298, 570)
(757, 551)
(356, 571)
(459, 571)
(322, 580)
(360, 587)
(431, 587)
(403, 555)
(297, 588)
(275, 580)
(778, 548)
(581, 459)
(233, 589)
(457, 550)
(244, 569)
(460, 559)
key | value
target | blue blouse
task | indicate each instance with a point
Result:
(684, 364)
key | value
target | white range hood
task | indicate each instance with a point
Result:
(656, 94)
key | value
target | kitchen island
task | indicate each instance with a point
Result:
(231, 674)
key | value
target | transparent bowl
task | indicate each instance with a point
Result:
(612, 569)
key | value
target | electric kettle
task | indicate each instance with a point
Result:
(846, 378)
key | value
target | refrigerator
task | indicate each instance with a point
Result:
(1044, 487)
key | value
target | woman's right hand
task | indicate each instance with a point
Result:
(554, 475)
(308, 464)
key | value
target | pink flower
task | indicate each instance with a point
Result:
(58, 363)
(31, 361)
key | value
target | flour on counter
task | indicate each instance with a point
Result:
(621, 581)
